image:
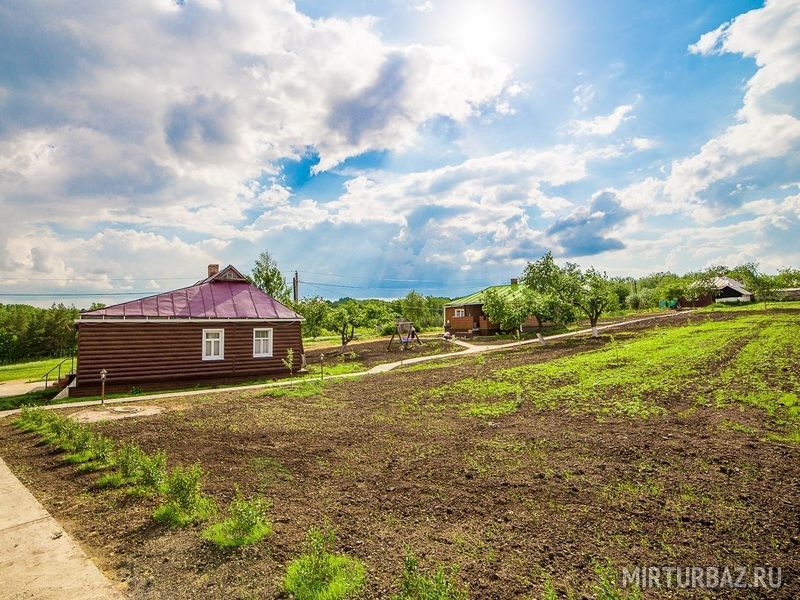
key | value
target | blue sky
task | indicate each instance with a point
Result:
(378, 147)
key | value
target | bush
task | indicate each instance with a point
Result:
(247, 523)
(31, 419)
(154, 471)
(441, 585)
(184, 500)
(318, 574)
(129, 461)
(634, 301)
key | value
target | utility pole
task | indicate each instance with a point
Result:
(296, 286)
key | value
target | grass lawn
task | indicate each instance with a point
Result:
(537, 472)
(29, 371)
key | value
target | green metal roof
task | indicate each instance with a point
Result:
(508, 291)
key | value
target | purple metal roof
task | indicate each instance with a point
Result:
(204, 300)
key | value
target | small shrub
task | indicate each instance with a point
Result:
(93, 451)
(288, 362)
(184, 501)
(441, 585)
(318, 574)
(247, 523)
(154, 471)
(32, 419)
(129, 462)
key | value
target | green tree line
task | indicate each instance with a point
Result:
(28, 333)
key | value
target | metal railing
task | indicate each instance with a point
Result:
(47, 377)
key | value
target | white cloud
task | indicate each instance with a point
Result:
(643, 143)
(423, 7)
(175, 116)
(583, 95)
(767, 129)
(603, 124)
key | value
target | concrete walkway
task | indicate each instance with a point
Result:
(382, 368)
(17, 387)
(38, 559)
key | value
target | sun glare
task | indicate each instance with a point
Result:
(482, 27)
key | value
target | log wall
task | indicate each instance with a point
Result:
(159, 355)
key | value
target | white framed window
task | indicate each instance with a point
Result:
(459, 312)
(262, 342)
(213, 344)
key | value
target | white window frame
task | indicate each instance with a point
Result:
(221, 333)
(268, 353)
(459, 312)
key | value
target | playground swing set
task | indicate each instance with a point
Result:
(407, 334)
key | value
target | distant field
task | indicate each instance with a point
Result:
(539, 472)
(29, 371)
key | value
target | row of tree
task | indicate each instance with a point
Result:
(554, 295)
(27, 332)
(558, 295)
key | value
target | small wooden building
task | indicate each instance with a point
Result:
(465, 316)
(221, 330)
(727, 290)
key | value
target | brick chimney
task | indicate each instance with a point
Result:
(514, 281)
(213, 270)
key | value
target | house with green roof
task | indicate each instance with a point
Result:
(465, 316)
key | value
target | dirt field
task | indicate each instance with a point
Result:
(683, 472)
(376, 352)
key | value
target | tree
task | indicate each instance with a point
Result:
(508, 312)
(701, 284)
(268, 278)
(415, 308)
(590, 292)
(314, 310)
(344, 319)
(787, 278)
(671, 287)
(541, 278)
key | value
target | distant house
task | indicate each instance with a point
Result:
(221, 329)
(465, 316)
(792, 293)
(728, 290)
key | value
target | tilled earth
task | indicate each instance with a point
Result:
(376, 352)
(512, 501)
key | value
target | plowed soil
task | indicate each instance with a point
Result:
(510, 500)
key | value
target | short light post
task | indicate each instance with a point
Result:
(322, 367)
(103, 374)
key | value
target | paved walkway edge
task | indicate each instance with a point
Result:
(38, 559)
(383, 368)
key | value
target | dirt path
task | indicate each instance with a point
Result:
(38, 559)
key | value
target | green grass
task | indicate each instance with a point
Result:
(35, 398)
(638, 376)
(441, 584)
(320, 574)
(731, 307)
(247, 523)
(303, 389)
(30, 371)
(333, 367)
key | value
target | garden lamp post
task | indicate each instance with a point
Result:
(103, 374)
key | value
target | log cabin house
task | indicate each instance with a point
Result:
(220, 330)
(465, 316)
